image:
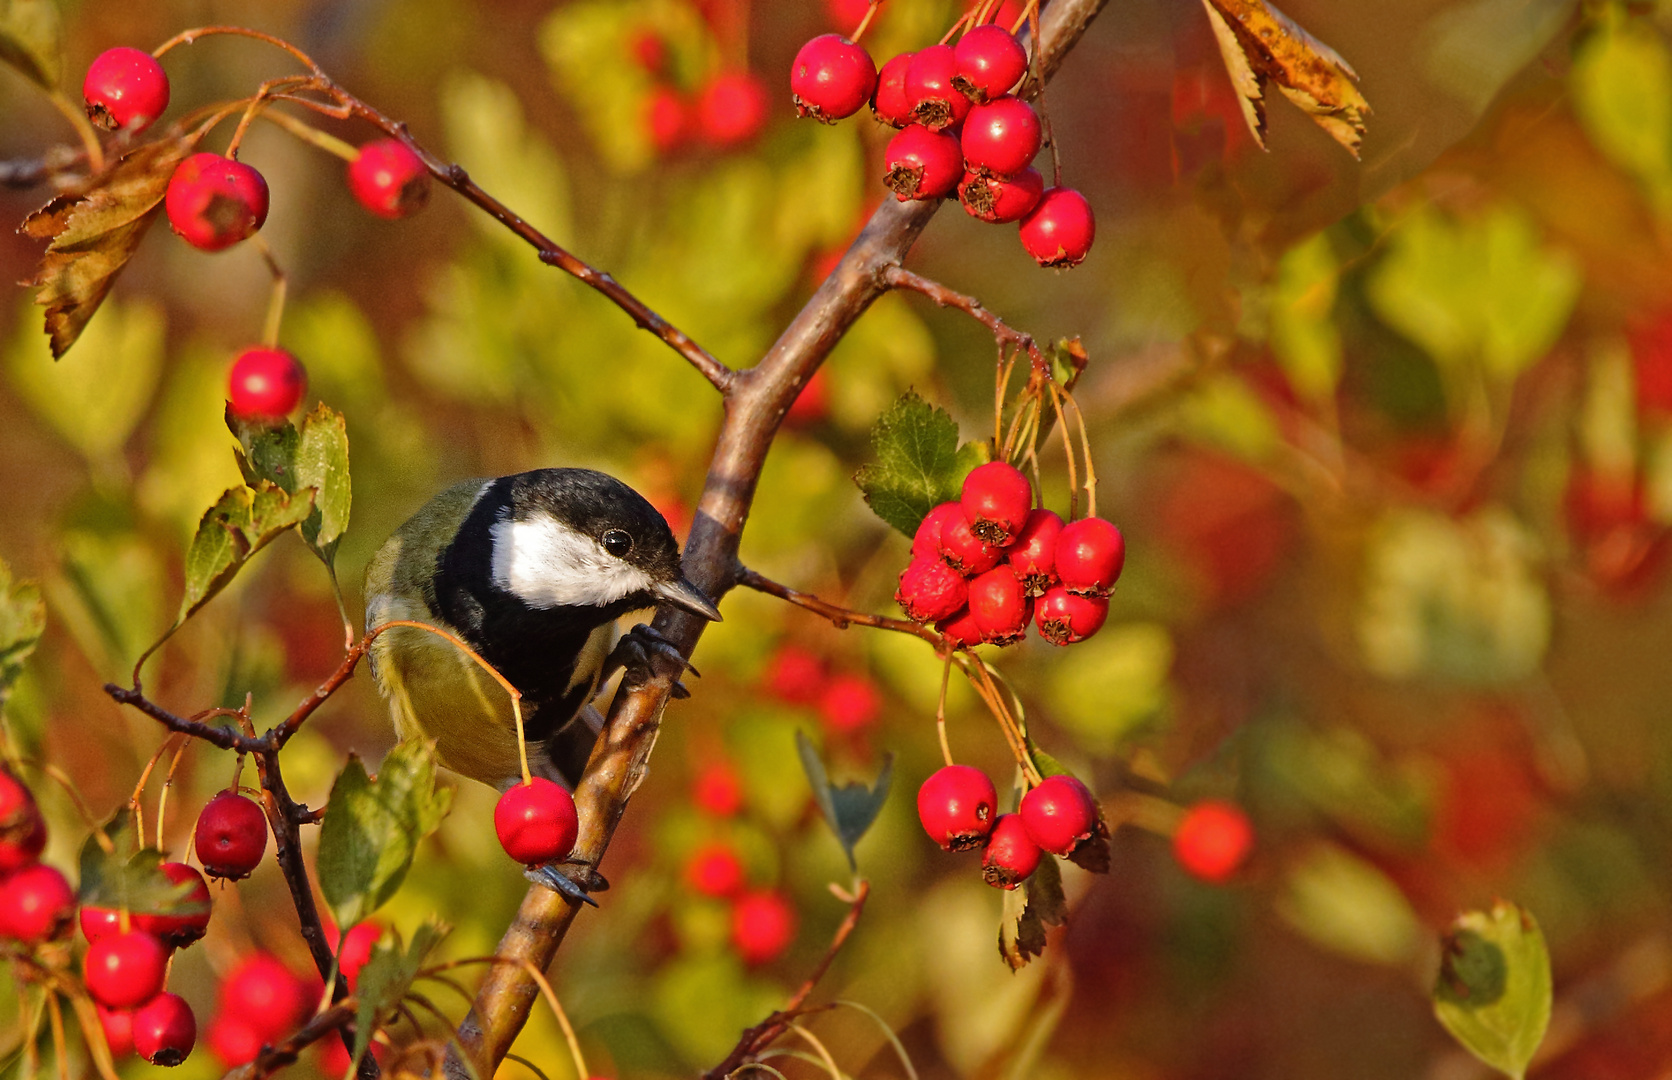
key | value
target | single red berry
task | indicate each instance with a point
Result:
(213, 202)
(1000, 607)
(795, 676)
(925, 543)
(1059, 230)
(356, 950)
(1090, 555)
(231, 836)
(536, 822)
(936, 104)
(922, 164)
(1213, 840)
(1064, 618)
(763, 926)
(22, 828)
(812, 403)
(165, 1030)
(966, 552)
(1059, 814)
(1000, 137)
(989, 61)
(846, 14)
(125, 970)
(849, 703)
(388, 179)
(99, 922)
(961, 629)
(178, 930)
(832, 78)
(732, 108)
(125, 88)
(266, 384)
(715, 870)
(718, 790)
(36, 904)
(265, 996)
(667, 119)
(930, 590)
(1010, 855)
(957, 806)
(118, 1028)
(1033, 553)
(996, 499)
(999, 199)
(889, 103)
(649, 50)
(234, 1042)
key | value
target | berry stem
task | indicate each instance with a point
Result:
(189, 37)
(940, 710)
(981, 677)
(260, 102)
(1068, 452)
(313, 136)
(865, 22)
(60, 1046)
(546, 991)
(168, 783)
(281, 288)
(135, 805)
(83, 129)
(840, 617)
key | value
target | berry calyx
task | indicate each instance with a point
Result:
(164, 1030)
(1001, 137)
(388, 179)
(22, 828)
(125, 970)
(1011, 855)
(925, 543)
(731, 109)
(1032, 554)
(1090, 555)
(715, 870)
(961, 629)
(231, 836)
(966, 552)
(922, 164)
(356, 950)
(999, 606)
(178, 930)
(265, 996)
(536, 822)
(1059, 814)
(996, 498)
(266, 384)
(1064, 617)
(1213, 840)
(36, 904)
(988, 62)
(213, 201)
(930, 590)
(118, 1028)
(831, 78)
(999, 199)
(125, 88)
(889, 102)
(849, 703)
(763, 926)
(957, 806)
(936, 104)
(1060, 229)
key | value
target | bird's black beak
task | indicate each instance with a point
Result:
(687, 597)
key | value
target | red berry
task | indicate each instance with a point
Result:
(1000, 137)
(125, 88)
(536, 822)
(846, 14)
(889, 103)
(1000, 607)
(717, 790)
(231, 836)
(177, 930)
(996, 499)
(649, 50)
(388, 179)
(763, 926)
(22, 828)
(957, 806)
(850, 703)
(99, 922)
(356, 950)
(731, 109)
(1064, 618)
(930, 590)
(922, 164)
(960, 628)
(1010, 855)
(164, 1030)
(936, 104)
(266, 384)
(213, 202)
(36, 904)
(989, 61)
(1213, 840)
(1033, 553)
(964, 551)
(831, 78)
(715, 870)
(1060, 229)
(795, 676)
(1090, 555)
(118, 1028)
(125, 970)
(666, 119)
(999, 199)
(1059, 814)
(266, 997)
(925, 543)
(234, 1042)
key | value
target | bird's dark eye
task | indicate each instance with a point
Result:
(617, 542)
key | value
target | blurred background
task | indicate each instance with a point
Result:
(1390, 441)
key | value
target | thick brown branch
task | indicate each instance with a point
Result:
(898, 277)
(840, 617)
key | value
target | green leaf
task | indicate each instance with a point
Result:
(373, 827)
(919, 463)
(245, 520)
(1493, 993)
(314, 457)
(1303, 331)
(31, 40)
(387, 976)
(128, 876)
(22, 621)
(849, 809)
(1028, 911)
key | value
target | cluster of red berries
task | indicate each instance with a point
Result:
(259, 1002)
(961, 130)
(536, 822)
(958, 807)
(726, 111)
(986, 566)
(763, 920)
(847, 702)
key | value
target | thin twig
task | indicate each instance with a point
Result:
(898, 277)
(273, 1058)
(840, 617)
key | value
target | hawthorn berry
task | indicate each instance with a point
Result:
(922, 164)
(98, 922)
(388, 179)
(849, 704)
(164, 1030)
(889, 102)
(1000, 137)
(118, 1028)
(988, 62)
(234, 1042)
(648, 49)
(935, 103)
(125, 88)
(265, 996)
(930, 590)
(266, 384)
(795, 676)
(925, 543)
(1000, 199)
(996, 498)
(763, 926)
(213, 202)
(731, 109)
(536, 821)
(832, 78)
(22, 828)
(966, 552)
(36, 904)
(1090, 555)
(960, 628)
(125, 970)
(1064, 617)
(1000, 606)
(666, 119)
(1010, 855)
(957, 805)
(356, 950)
(1213, 840)
(1033, 553)
(231, 836)
(1059, 813)
(178, 930)
(1059, 230)
(717, 790)
(846, 14)
(715, 870)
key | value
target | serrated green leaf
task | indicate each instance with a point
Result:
(918, 463)
(849, 809)
(22, 621)
(268, 452)
(244, 521)
(1493, 993)
(128, 876)
(322, 464)
(373, 827)
(31, 40)
(1028, 911)
(387, 976)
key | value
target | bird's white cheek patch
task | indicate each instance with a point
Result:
(546, 564)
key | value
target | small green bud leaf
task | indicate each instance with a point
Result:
(1493, 993)
(848, 808)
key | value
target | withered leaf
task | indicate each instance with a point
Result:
(1261, 44)
(94, 233)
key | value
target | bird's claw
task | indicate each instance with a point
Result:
(642, 654)
(561, 878)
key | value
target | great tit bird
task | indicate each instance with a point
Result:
(531, 571)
